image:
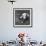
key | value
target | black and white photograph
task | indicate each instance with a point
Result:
(22, 17)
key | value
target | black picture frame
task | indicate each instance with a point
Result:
(18, 12)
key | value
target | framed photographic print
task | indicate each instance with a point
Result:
(22, 17)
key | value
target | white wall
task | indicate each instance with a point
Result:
(37, 32)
